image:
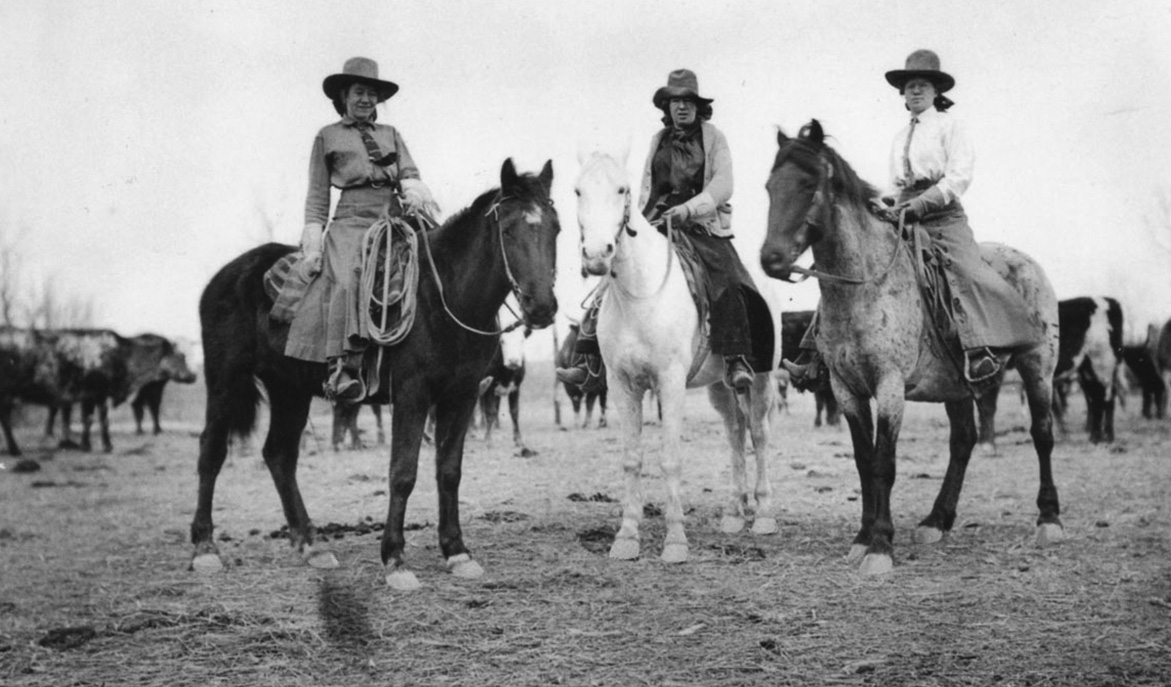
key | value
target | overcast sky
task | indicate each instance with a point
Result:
(145, 144)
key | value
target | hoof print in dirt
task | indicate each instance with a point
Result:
(596, 497)
(504, 516)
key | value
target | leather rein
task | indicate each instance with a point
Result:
(494, 213)
(625, 228)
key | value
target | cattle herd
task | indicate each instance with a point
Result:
(95, 368)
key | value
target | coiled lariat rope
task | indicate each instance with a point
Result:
(411, 279)
(380, 237)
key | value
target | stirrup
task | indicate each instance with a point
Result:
(738, 373)
(344, 385)
(987, 356)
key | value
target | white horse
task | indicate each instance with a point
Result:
(649, 333)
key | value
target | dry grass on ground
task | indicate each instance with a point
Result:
(94, 587)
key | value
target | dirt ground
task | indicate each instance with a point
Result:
(95, 587)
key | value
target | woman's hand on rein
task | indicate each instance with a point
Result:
(677, 214)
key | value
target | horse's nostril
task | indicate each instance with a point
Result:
(609, 249)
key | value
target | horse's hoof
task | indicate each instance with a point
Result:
(928, 535)
(1049, 533)
(463, 566)
(624, 549)
(674, 553)
(322, 560)
(732, 524)
(207, 563)
(764, 526)
(876, 564)
(402, 580)
(857, 552)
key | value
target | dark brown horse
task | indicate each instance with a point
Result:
(878, 343)
(505, 242)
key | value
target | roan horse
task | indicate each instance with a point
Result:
(879, 344)
(649, 334)
(504, 242)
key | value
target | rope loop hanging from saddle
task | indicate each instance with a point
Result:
(386, 264)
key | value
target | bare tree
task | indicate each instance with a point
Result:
(10, 276)
(49, 309)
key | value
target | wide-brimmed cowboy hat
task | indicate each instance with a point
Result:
(358, 70)
(921, 64)
(681, 83)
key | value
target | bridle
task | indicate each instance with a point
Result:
(494, 213)
(822, 213)
(625, 228)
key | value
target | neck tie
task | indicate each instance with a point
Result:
(908, 175)
(372, 149)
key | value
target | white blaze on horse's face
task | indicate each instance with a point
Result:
(603, 202)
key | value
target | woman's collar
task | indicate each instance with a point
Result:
(347, 120)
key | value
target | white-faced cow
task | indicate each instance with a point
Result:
(582, 400)
(504, 376)
(86, 366)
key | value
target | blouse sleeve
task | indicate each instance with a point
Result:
(317, 198)
(961, 162)
(407, 169)
(719, 189)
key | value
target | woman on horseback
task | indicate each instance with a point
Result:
(931, 165)
(687, 180)
(371, 165)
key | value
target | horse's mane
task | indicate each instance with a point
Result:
(807, 151)
(527, 188)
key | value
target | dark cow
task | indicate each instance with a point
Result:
(345, 421)
(576, 396)
(1159, 345)
(505, 374)
(793, 326)
(1141, 364)
(1090, 353)
(86, 366)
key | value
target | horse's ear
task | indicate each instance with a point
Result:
(508, 174)
(781, 137)
(546, 175)
(816, 135)
(624, 153)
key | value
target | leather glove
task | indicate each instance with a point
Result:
(417, 197)
(678, 214)
(311, 245)
(922, 205)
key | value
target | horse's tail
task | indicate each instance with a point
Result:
(229, 314)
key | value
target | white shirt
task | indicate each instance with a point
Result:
(940, 151)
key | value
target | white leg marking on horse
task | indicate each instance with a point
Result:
(928, 535)
(322, 560)
(732, 524)
(857, 551)
(624, 549)
(675, 552)
(765, 526)
(207, 563)
(1049, 533)
(876, 564)
(462, 565)
(402, 580)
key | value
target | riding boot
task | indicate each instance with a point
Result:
(345, 384)
(981, 364)
(737, 373)
(805, 370)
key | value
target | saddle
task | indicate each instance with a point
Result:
(386, 294)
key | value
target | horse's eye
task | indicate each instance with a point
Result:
(621, 190)
(577, 192)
